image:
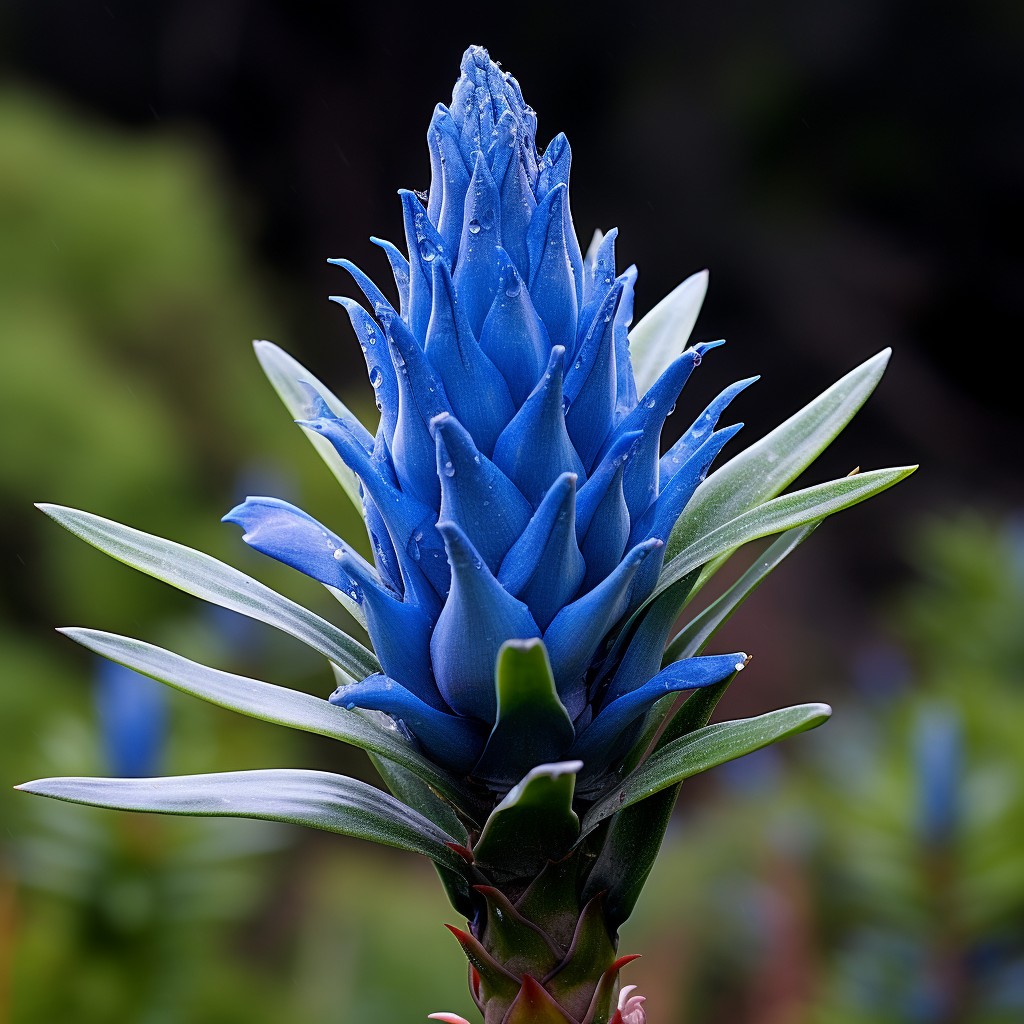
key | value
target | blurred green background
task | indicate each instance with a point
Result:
(171, 179)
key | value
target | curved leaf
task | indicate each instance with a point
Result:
(534, 823)
(287, 375)
(333, 803)
(799, 508)
(691, 639)
(770, 465)
(698, 751)
(265, 701)
(211, 580)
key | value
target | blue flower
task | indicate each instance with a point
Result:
(515, 489)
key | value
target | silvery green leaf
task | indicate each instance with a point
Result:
(265, 701)
(333, 803)
(799, 508)
(698, 751)
(770, 465)
(663, 333)
(691, 639)
(287, 376)
(211, 580)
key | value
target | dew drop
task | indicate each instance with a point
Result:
(338, 554)
(474, 226)
(697, 357)
(449, 469)
(376, 377)
(515, 286)
(650, 403)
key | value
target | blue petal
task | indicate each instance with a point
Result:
(421, 397)
(282, 531)
(677, 455)
(449, 177)
(534, 449)
(599, 276)
(640, 479)
(642, 656)
(659, 519)
(554, 171)
(425, 246)
(374, 296)
(379, 366)
(590, 383)
(450, 740)
(478, 617)
(409, 523)
(689, 674)
(625, 383)
(592, 494)
(552, 284)
(400, 631)
(399, 270)
(513, 335)
(478, 268)
(544, 568)
(518, 203)
(578, 629)
(477, 391)
(475, 494)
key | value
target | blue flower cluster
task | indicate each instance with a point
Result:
(515, 487)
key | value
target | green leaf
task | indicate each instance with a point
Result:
(634, 837)
(799, 508)
(534, 823)
(417, 794)
(706, 748)
(770, 465)
(287, 375)
(320, 800)
(663, 333)
(692, 638)
(532, 725)
(207, 578)
(265, 701)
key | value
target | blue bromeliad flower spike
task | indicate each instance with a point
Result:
(532, 548)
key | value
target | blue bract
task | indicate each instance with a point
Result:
(515, 489)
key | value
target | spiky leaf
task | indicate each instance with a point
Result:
(704, 749)
(211, 580)
(333, 803)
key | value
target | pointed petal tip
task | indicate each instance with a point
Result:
(447, 1018)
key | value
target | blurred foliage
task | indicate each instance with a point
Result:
(879, 880)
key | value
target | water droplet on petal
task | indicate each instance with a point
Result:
(449, 469)
(697, 357)
(376, 377)
(650, 403)
(474, 226)
(339, 554)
